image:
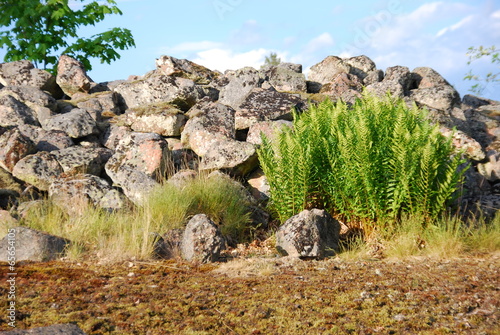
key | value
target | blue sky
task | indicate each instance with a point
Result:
(230, 34)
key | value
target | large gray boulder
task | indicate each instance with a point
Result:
(490, 169)
(138, 161)
(100, 105)
(443, 97)
(24, 73)
(14, 113)
(202, 240)
(13, 147)
(80, 160)
(345, 86)
(163, 119)
(361, 66)
(327, 70)
(209, 122)
(234, 157)
(236, 85)
(33, 245)
(156, 88)
(46, 140)
(309, 234)
(30, 96)
(82, 189)
(171, 66)
(264, 105)
(77, 123)
(286, 77)
(39, 170)
(71, 76)
(62, 329)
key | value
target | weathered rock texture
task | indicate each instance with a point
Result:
(202, 240)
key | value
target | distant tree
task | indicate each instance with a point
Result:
(491, 77)
(272, 59)
(41, 30)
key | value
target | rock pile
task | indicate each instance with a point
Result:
(107, 143)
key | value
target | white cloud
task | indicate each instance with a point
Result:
(226, 59)
(318, 43)
(496, 15)
(456, 26)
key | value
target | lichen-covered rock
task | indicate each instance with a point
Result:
(77, 123)
(39, 170)
(270, 129)
(100, 105)
(14, 113)
(46, 140)
(361, 66)
(71, 76)
(78, 190)
(208, 123)
(381, 89)
(438, 97)
(235, 85)
(181, 178)
(30, 96)
(471, 148)
(7, 182)
(328, 69)
(264, 105)
(309, 234)
(202, 240)
(13, 147)
(285, 77)
(112, 136)
(259, 186)
(171, 66)
(491, 169)
(113, 200)
(345, 86)
(33, 245)
(237, 158)
(425, 77)
(137, 162)
(156, 88)
(23, 73)
(400, 74)
(163, 119)
(80, 160)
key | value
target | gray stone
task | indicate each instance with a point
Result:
(345, 86)
(46, 140)
(138, 161)
(425, 77)
(491, 168)
(168, 246)
(113, 200)
(100, 105)
(156, 88)
(13, 147)
(62, 329)
(7, 182)
(33, 245)
(381, 89)
(202, 240)
(71, 76)
(259, 186)
(361, 66)
(39, 170)
(75, 191)
(309, 234)
(77, 123)
(265, 105)
(400, 74)
(438, 97)
(471, 148)
(373, 77)
(171, 66)
(286, 78)
(236, 158)
(181, 178)
(208, 123)
(270, 129)
(30, 96)
(112, 136)
(80, 160)
(15, 113)
(235, 85)
(23, 73)
(162, 119)
(328, 69)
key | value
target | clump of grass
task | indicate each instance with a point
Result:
(132, 233)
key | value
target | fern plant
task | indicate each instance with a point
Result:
(367, 163)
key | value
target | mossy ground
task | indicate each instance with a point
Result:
(263, 296)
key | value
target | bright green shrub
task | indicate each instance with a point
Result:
(369, 162)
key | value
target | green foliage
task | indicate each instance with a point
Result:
(272, 60)
(41, 30)
(366, 164)
(491, 77)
